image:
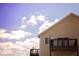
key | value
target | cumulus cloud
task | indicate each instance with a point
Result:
(19, 43)
(32, 42)
(23, 18)
(23, 26)
(35, 19)
(4, 48)
(22, 47)
(19, 48)
(6, 53)
(16, 34)
(19, 34)
(9, 48)
(2, 30)
(46, 25)
(23, 23)
(32, 20)
(41, 18)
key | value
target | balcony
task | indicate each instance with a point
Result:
(34, 52)
(63, 44)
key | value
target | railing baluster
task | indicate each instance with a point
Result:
(34, 54)
(66, 45)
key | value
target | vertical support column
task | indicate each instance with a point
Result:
(77, 46)
(58, 43)
(50, 46)
(68, 42)
(77, 50)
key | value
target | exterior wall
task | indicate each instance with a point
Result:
(64, 53)
(69, 27)
(44, 49)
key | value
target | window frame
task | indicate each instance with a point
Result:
(46, 41)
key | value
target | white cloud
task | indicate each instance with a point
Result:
(41, 18)
(46, 25)
(23, 23)
(23, 18)
(23, 26)
(6, 52)
(7, 44)
(32, 42)
(4, 35)
(56, 20)
(19, 43)
(19, 48)
(17, 34)
(9, 48)
(21, 34)
(2, 30)
(32, 20)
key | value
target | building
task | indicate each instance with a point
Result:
(67, 28)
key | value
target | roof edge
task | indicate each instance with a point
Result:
(73, 14)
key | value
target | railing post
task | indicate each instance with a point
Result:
(77, 47)
(68, 42)
(50, 46)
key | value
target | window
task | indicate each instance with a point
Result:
(46, 40)
(60, 43)
(55, 43)
(71, 42)
(65, 42)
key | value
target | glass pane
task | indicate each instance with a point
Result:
(60, 43)
(71, 42)
(65, 42)
(46, 41)
(55, 43)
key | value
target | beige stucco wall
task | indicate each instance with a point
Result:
(69, 27)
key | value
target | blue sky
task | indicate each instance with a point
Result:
(22, 22)
(11, 14)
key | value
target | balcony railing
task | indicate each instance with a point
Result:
(34, 52)
(63, 44)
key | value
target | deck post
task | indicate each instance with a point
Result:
(50, 46)
(77, 47)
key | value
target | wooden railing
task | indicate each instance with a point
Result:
(34, 52)
(63, 44)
